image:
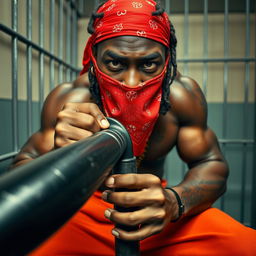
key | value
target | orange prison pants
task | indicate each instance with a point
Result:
(211, 233)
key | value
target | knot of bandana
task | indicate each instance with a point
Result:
(128, 18)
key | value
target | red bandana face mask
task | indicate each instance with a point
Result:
(137, 108)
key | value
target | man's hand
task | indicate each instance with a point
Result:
(77, 121)
(157, 206)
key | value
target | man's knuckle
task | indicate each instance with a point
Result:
(160, 197)
(93, 107)
(132, 219)
(68, 105)
(90, 121)
(127, 199)
(59, 129)
(160, 214)
(59, 142)
(61, 115)
(133, 179)
(154, 180)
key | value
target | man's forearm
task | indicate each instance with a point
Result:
(202, 186)
(21, 159)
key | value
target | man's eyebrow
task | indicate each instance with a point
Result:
(114, 55)
(152, 56)
(149, 57)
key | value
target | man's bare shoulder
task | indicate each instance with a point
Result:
(76, 91)
(188, 103)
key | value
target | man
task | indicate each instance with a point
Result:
(129, 64)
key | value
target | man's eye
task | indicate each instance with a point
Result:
(114, 65)
(150, 67)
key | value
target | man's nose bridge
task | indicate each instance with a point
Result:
(132, 77)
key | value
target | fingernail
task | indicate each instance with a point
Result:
(115, 233)
(104, 196)
(110, 181)
(104, 123)
(107, 214)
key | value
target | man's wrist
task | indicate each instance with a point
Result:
(181, 207)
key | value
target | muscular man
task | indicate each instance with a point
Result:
(129, 65)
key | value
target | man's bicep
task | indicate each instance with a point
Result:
(196, 144)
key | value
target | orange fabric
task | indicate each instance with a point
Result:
(210, 233)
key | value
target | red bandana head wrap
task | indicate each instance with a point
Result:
(136, 108)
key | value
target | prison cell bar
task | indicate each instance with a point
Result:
(225, 86)
(205, 48)
(29, 69)
(68, 29)
(245, 110)
(74, 41)
(60, 42)
(41, 196)
(52, 41)
(15, 75)
(41, 54)
(253, 200)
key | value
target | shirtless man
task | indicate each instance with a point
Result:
(127, 75)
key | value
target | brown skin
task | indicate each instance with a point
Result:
(70, 114)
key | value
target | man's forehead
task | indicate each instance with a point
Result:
(130, 43)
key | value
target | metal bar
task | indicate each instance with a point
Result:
(15, 75)
(236, 141)
(186, 35)
(225, 87)
(36, 47)
(41, 54)
(45, 185)
(245, 111)
(253, 200)
(76, 41)
(29, 68)
(253, 205)
(82, 6)
(76, 7)
(68, 25)
(8, 155)
(96, 3)
(225, 59)
(60, 39)
(52, 30)
(205, 49)
(73, 41)
(167, 6)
